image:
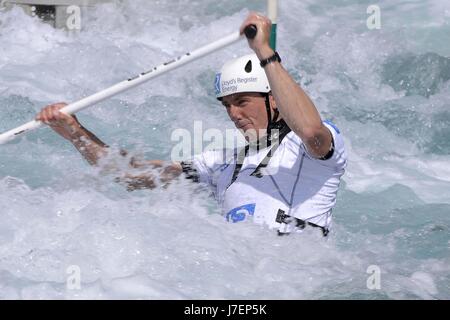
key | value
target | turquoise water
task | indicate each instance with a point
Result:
(386, 89)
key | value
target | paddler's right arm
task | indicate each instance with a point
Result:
(93, 150)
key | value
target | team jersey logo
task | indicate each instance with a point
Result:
(240, 213)
(217, 82)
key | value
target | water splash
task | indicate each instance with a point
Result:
(392, 210)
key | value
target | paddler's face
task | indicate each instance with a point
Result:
(248, 112)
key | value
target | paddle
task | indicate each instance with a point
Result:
(272, 15)
(250, 32)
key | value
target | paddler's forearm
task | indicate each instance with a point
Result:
(293, 103)
(296, 108)
(150, 179)
(90, 147)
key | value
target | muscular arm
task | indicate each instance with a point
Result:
(298, 110)
(94, 151)
(293, 103)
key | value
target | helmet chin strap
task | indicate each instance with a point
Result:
(271, 123)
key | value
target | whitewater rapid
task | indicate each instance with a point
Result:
(387, 90)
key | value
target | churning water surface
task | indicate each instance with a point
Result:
(387, 90)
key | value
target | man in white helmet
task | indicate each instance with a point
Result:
(288, 175)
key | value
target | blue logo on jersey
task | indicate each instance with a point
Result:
(217, 82)
(333, 125)
(239, 213)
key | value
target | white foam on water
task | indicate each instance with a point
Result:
(58, 212)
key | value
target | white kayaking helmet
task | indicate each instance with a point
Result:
(243, 74)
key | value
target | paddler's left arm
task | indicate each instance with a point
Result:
(293, 103)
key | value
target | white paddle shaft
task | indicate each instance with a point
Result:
(127, 84)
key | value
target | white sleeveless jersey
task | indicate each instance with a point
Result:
(293, 182)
